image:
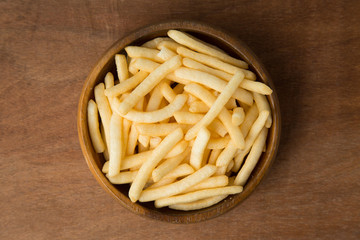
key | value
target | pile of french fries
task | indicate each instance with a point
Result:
(185, 123)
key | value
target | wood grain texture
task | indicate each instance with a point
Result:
(310, 48)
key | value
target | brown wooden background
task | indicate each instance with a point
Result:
(311, 49)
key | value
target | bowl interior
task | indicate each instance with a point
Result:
(95, 161)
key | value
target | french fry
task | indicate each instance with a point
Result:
(161, 182)
(198, 148)
(214, 155)
(121, 67)
(154, 142)
(231, 104)
(218, 143)
(149, 83)
(155, 99)
(132, 140)
(238, 116)
(144, 140)
(199, 204)
(167, 92)
(116, 144)
(166, 54)
(109, 83)
(263, 105)
(157, 155)
(177, 149)
(188, 62)
(216, 108)
(180, 171)
(199, 46)
(154, 42)
(104, 109)
(256, 87)
(168, 165)
(132, 69)
(213, 82)
(230, 166)
(198, 107)
(159, 129)
(123, 177)
(106, 150)
(179, 186)
(168, 44)
(250, 117)
(224, 115)
(250, 138)
(252, 158)
(132, 161)
(157, 115)
(93, 123)
(213, 62)
(226, 155)
(125, 135)
(211, 182)
(143, 52)
(194, 196)
(126, 85)
(139, 105)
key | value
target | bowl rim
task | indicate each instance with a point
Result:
(244, 52)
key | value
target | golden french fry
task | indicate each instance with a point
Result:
(149, 83)
(199, 46)
(125, 135)
(116, 144)
(250, 117)
(214, 155)
(104, 109)
(197, 151)
(194, 196)
(238, 116)
(179, 88)
(106, 151)
(161, 182)
(218, 143)
(226, 155)
(168, 165)
(199, 204)
(94, 130)
(257, 87)
(188, 62)
(168, 44)
(155, 99)
(252, 158)
(211, 182)
(180, 171)
(132, 140)
(109, 83)
(153, 43)
(154, 142)
(213, 82)
(179, 186)
(144, 140)
(157, 115)
(166, 54)
(224, 115)
(214, 62)
(198, 107)
(121, 67)
(177, 149)
(167, 92)
(139, 105)
(216, 108)
(230, 166)
(143, 52)
(126, 85)
(263, 105)
(250, 138)
(132, 69)
(123, 177)
(159, 129)
(157, 155)
(231, 104)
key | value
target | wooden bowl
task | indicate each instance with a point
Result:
(212, 35)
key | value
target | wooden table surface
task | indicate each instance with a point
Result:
(311, 49)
